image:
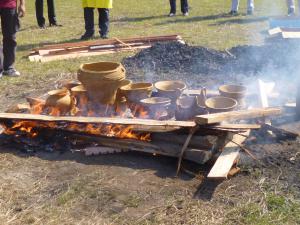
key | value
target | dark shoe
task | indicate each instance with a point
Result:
(11, 73)
(233, 13)
(55, 25)
(250, 12)
(104, 36)
(87, 36)
(291, 12)
(43, 26)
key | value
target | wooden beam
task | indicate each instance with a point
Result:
(237, 126)
(237, 115)
(230, 154)
(137, 124)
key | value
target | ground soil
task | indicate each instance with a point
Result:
(133, 188)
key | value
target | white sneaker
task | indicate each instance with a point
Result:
(185, 14)
(171, 14)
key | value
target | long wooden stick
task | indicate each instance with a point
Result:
(186, 144)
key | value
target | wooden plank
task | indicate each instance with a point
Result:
(238, 126)
(226, 160)
(73, 55)
(110, 41)
(237, 115)
(135, 123)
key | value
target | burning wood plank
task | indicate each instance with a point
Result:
(237, 115)
(136, 124)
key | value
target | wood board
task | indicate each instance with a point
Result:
(137, 124)
(237, 115)
(226, 160)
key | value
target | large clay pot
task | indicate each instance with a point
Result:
(59, 99)
(135, 92)
(170, 89)
(220, 104)
(102, 80)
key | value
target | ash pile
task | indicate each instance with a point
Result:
(203, 66)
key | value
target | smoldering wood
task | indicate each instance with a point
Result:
(136, 124)
(155, 147)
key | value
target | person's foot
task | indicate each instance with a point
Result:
(185, 14)
(291, 12)
(42, 26)
(172, 14)
(87, 36)
(250, 12)
(1, 74)
(11, 73)
(233, 13)
(55, 24)
(104, 36)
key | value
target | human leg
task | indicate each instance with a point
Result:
(250, 7)
(184, 6)
(89, 23)
(51, 12)
(103, 22)
(173, 7)
(235, 5)
(10, 26)
(39, 12)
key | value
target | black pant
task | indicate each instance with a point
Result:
(184, 6)
(103, 20)
(10, 25)
(39, 10)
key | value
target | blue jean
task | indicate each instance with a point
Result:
(184, 6)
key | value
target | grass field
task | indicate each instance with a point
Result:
(133, 189)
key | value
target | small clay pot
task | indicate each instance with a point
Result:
(186, 108)
(237, 92)
(135, 92)
(35, 101)
(69, 84)
(59, 99)
(155, 105)
(170, 89)
(220, 104)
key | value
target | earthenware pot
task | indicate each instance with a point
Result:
(102, 80)
(60, 99)
(170, 89)
(186, 108)
(237, 92)
(69, 84)
(220, 104)
(156, 105)
(135, 92)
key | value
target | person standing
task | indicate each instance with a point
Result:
(184, 7)
(39, 11)
(10, 12)
(235, 7)
(102, 7)
(292, 7)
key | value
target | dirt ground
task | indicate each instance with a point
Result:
(133, 188)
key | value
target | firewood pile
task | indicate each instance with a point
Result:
(53, 52)
(103, 112)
